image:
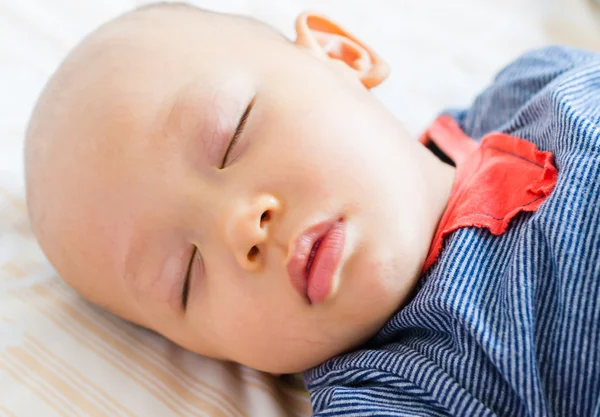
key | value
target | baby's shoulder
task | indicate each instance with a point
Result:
(545, 96)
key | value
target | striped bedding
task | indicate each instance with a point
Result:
(60, 356)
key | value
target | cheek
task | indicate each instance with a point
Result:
(248, 332)
(262, 327)
(332, 145)
(326, 172)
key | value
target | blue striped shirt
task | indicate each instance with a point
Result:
(503, 325)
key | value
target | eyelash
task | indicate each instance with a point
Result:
(238, 131)
(186, 283)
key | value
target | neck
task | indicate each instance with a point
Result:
(438, 182)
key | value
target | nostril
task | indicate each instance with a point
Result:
(265, 217)
(253, 254)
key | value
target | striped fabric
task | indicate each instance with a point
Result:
(501, 325)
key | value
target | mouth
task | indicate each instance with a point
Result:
(314, 259)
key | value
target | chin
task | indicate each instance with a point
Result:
(286, 368)
(294, 361)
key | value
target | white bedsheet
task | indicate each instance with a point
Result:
(59, 356)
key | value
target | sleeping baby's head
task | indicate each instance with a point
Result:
(245, 196)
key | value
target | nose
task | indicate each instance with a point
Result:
(247, 229)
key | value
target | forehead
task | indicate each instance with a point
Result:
(103, 195)
(114, 249)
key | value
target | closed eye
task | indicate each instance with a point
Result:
(238, 131)
(186, 283)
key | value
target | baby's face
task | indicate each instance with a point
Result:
(215, 156)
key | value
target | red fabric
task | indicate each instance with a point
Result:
(495, 180)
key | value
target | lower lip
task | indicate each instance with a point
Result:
(325, 263)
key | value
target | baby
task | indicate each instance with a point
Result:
(249, 199)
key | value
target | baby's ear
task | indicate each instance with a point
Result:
(326, 39)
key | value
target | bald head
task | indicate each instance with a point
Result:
(98, 112)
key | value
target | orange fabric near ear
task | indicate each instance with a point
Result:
(327, 39)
